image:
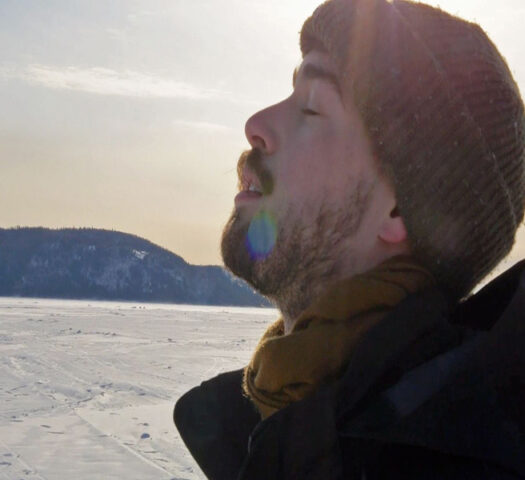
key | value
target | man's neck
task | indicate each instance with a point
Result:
(294, 298)
(294, 301)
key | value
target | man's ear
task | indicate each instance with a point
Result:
(393, 229)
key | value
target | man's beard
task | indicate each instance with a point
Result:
(306, 253)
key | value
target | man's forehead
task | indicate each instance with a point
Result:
(317, 66)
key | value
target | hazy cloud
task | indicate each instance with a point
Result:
(213, 127)
(141, 14)
(7, 72)
(105, 81)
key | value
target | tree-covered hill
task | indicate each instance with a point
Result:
(109, 265)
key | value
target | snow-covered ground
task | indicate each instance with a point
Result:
(87, 388)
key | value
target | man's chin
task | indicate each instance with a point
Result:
(235, 254)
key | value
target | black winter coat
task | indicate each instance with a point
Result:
(452, 413)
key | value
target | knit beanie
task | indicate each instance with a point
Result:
(445, 120)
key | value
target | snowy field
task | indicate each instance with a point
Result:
(87, 388)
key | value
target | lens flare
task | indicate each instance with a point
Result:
(262, 235)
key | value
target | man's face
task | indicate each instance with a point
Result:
(314, 178)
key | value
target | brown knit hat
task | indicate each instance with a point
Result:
(446, 121)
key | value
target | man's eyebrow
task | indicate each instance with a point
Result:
(311, 72)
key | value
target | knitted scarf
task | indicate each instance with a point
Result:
(287, 368)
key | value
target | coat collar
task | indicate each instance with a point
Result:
(469, 400)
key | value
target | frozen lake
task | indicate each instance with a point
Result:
(87, 388)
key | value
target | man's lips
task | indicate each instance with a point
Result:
(250, 188)
(246, 196)
(255, 181)
(249, 182)
(252, 170)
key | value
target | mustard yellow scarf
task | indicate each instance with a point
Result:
(286, 368)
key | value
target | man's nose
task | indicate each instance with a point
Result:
(260, 130)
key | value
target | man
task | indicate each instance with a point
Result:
(372, 202)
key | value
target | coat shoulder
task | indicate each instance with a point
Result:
(215, 421)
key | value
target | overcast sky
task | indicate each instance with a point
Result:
(129, 114)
